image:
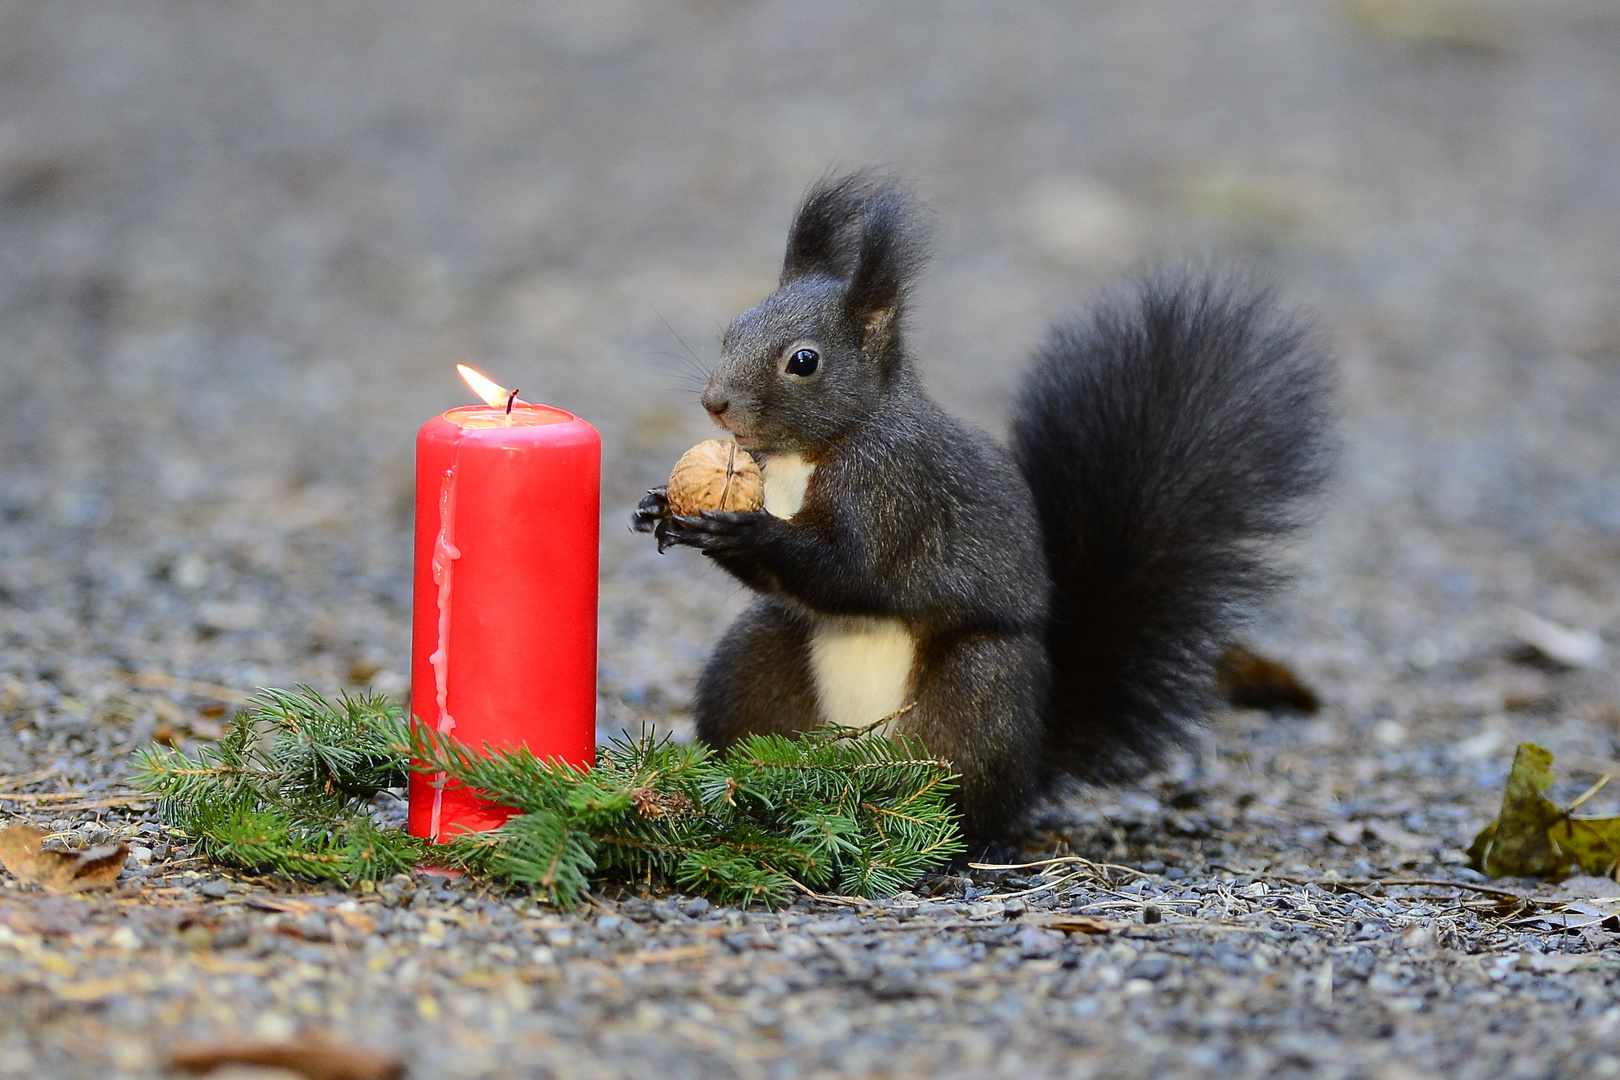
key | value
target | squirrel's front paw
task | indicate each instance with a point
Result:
(713, 531)
(651, 511)
(652, 515)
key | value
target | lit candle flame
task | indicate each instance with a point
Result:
(492, 392)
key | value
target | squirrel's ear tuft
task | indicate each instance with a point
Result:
(893, 247)
(821, 235)
(868, 231)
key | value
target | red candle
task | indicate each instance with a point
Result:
(503, 648)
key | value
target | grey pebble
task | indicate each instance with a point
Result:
(231, 936)
(1036, 942)
(1150, 966)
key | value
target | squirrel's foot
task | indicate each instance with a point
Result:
(713, 531)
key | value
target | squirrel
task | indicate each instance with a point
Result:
(1053, 610)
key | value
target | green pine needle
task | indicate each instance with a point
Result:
(289, 789)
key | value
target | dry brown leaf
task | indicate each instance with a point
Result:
(23, 852)
(313, 1054)
(1251, 681)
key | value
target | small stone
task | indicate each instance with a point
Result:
(696, 908)
(1035, 942)
(1151, 913)
(1150, 966)
(231, 936)
(91, 834)
(197, 937)
(1559, 645)
(216, 890)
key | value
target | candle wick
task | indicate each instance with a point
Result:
(510, 398)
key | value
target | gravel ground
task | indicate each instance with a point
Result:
(242, 245)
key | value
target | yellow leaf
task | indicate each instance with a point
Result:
(1593, 843)
(1533, 838)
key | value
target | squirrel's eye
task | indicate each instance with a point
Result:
(803, 362)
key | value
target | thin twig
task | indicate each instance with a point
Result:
(43, 796)
(1432, 882)
(1061, 859)
(856, 732)
(97, 804)
(1055, 883)
(24, 779)
(162, 680)
(841, 901)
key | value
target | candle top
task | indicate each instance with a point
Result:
(478, 417)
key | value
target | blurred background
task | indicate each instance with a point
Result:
(242, 247)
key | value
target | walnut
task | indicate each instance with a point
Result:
(715, 475)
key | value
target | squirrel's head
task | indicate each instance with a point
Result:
(816, 357)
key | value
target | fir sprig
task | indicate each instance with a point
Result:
(290, 787)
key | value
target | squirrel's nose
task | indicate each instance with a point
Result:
(715, 402)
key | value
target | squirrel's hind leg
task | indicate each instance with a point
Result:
(980, 703)
(757, 680)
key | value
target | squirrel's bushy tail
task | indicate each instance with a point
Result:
(1166, 438)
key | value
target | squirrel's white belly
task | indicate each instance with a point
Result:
(862, 669)
(786, 477)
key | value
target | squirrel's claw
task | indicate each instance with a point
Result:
(652, 511)
(711, 531)
(678, 530)
(652, 515)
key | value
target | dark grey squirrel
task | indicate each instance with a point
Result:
(1052, 611)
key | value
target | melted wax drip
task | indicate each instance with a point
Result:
(445, 553)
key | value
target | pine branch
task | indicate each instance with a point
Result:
(289, 790)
